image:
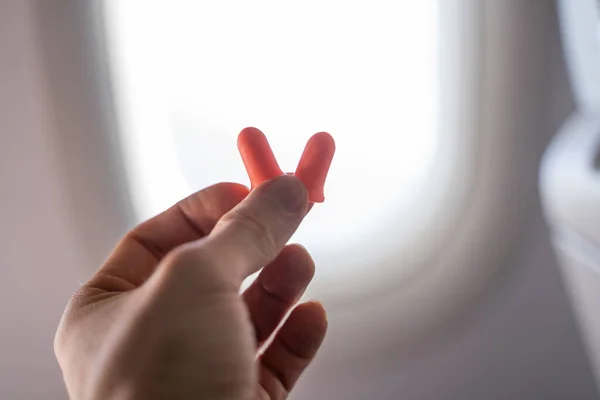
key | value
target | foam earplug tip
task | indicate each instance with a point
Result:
(312, 169)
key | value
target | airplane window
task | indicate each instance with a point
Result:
(188, 76)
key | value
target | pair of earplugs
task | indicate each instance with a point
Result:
(312, 169)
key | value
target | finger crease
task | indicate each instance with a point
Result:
(190, 222)
(277, 374)
(150, 247)
(276, 297)
(290, 349)
(110, 283)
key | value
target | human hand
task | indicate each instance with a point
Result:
(163, 318)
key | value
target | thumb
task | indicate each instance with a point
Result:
(254, 232)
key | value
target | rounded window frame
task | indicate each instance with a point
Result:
(453, 240)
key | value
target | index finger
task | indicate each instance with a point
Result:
(138, 253)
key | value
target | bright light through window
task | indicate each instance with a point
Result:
(189, 75)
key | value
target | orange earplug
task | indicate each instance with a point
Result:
(312, 169)
(314, 165)
(257, 156)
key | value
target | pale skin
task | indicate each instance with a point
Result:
(163, 317)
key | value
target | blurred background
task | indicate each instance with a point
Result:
(458, 249)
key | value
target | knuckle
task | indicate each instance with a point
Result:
(194, 266)
(183, 256)
(255, 227)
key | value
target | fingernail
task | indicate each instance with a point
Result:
(288, 192)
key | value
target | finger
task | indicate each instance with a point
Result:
(136, 256)
(190, 219)
(254, 232)
(278, 287)
(293, 349)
